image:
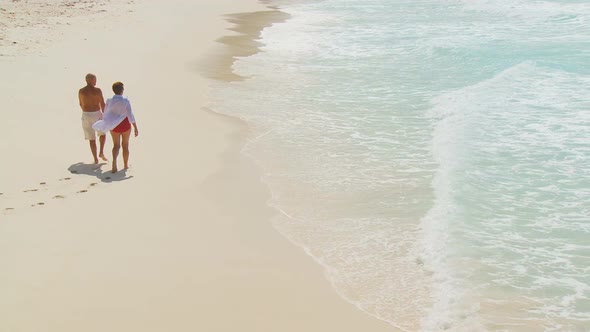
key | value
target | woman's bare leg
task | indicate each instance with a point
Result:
(116, 147)
(125, 145)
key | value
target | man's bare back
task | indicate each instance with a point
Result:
(91, 99)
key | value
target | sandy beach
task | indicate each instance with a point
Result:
(182, 241)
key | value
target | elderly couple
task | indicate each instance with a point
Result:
(115, 116)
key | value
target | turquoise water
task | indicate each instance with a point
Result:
(433, 156)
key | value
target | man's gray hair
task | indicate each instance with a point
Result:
(90, 76)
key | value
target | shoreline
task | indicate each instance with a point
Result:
(183, 240)
(249, 26)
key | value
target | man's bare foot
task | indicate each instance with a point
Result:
(103, 157)
(114, 170)
(96, 161)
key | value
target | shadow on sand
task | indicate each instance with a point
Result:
(95, 170)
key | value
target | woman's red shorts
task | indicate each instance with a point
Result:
(122, 127)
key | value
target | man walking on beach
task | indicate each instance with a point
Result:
(92, 104)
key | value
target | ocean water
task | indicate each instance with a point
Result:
(432, 156)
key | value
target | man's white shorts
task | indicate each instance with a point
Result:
(88, 119)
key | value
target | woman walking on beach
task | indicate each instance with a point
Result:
(118, 118)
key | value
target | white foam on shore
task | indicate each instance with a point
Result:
(517, 102)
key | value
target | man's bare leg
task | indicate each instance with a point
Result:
(102, 140)
(116, 147)
(125, 146)
(93, 149)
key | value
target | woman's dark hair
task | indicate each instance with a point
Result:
(118, 88)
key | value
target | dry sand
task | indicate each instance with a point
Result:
(180, 242)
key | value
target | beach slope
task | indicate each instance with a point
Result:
(182, 241)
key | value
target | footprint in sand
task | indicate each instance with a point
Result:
(93, 184)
